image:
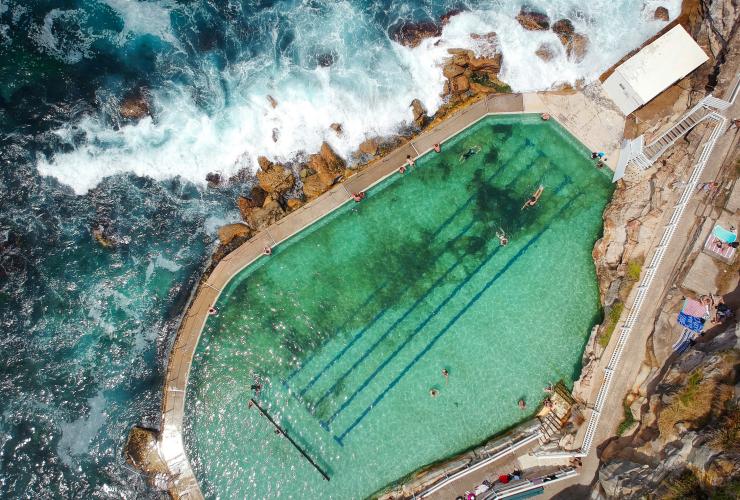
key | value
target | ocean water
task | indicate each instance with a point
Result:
(84, 330)
(348, 325)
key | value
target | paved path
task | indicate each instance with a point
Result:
(577, 113)
(634, 352)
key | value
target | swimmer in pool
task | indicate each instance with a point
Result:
(532, 201)
(470, 152)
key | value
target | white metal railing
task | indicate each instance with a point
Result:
(646, 282)
(509, 449)
(529, 485)
(643, 156)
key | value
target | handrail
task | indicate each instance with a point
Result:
(454, 477)
(647, 281)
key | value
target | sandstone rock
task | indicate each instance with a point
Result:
(563, 28)
(274, 178)
(256, 199)
(134, 107)
(545, 52)
(261, 217)
(141, 451)
(313, 187)
(489, 63)
(272, 100)
(327, 165)
(532, 20)
(451, 70)
(420, 113)
(661, 13)
(459, 85)
(294, 203)
(411, 34)
(264, 163)
(336, 127)
(577, 47)
(370, 146)
(230, 232)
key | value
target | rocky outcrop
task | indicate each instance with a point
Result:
(687, 431)
(336, 127)
(273, 102)
(261, 217)
(533, 20)
(576, 44)
(370, 146)
(467, 72)
(135, 106)
(411, 34)
(661, 14)
(274, 178)
(327, 165)
(255, 199)
(420, 113)
(141, 451)
(230, 232)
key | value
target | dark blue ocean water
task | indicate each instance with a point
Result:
(84, 330)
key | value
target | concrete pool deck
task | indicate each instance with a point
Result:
(585, 116)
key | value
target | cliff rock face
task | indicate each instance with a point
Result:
(688, 434)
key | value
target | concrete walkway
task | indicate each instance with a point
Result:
(577, 112)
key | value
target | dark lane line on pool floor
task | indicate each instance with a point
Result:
(364, 356)
(449, 325)
(449, 220)
(326, 423)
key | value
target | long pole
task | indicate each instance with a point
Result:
(282, 431)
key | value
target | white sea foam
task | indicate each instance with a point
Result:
(368, 89)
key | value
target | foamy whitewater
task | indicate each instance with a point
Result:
(213, 115)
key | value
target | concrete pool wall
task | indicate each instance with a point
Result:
(595, 127)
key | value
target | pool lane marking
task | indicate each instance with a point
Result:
(341, 327)
(377, 317)
(326, 423)
(372, 323)
(451, 323)
(392, 327)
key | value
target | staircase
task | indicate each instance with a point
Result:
(643, 156)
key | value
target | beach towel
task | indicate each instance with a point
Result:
(690, 322)
(684, 341)
(723, 234)
(714, 245)
(694, 308)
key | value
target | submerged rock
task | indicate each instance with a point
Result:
(533, 20)
(564, 29)
(273, 102)
(141, 451)
(577, 48)
(336, 127)
(135, 106)
(411, 34)
(213, 179)
(545, 52)
(661, 13)
(445, 18)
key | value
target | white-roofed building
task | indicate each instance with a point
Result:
(653, 69)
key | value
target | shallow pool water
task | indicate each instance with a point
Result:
(348, 326)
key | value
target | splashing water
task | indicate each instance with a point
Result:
(84, 330)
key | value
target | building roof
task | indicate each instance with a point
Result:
(653, 69)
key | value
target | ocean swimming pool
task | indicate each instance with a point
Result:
(348, 325)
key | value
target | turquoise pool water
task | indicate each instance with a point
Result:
(349, 325)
